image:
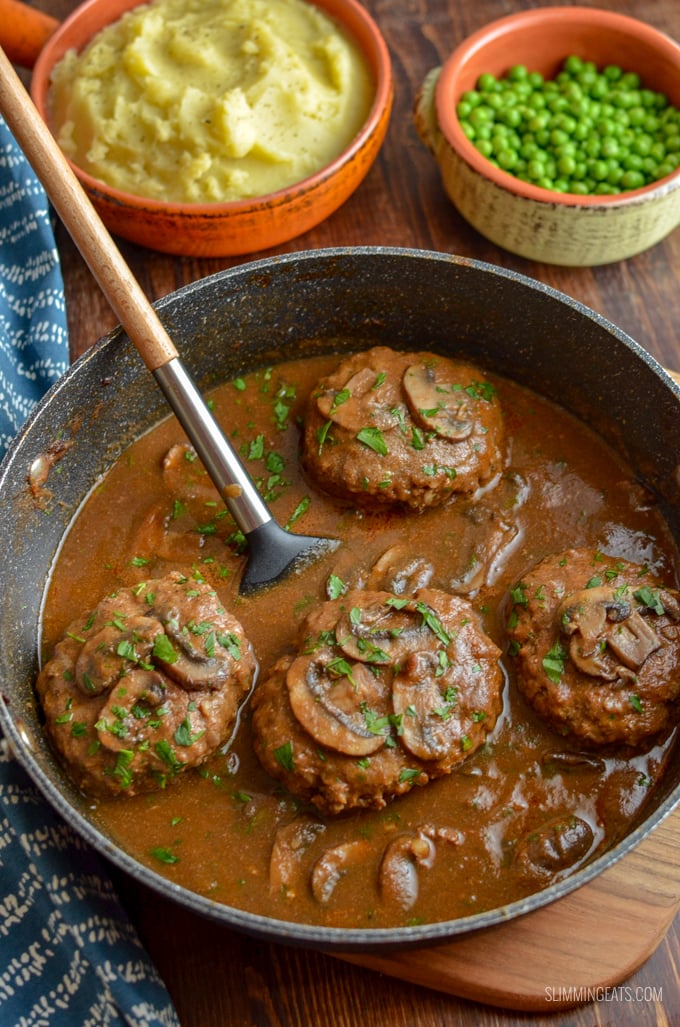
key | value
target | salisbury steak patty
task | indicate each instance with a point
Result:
(411, 428)
(597, 642)
(146, 686)
(383, 693)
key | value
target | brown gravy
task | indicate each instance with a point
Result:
(214, 830)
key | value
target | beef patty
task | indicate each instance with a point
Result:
(597, 644)
(382, 694)
(402, 428)
(146, 686)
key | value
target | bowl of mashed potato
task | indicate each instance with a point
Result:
(216, 127)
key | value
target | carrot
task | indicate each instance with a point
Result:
(24, 31)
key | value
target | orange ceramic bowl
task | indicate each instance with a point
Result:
(243, 226)
(537, 223)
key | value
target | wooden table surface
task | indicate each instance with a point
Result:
(219, 978)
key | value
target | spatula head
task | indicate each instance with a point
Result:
(274, 552)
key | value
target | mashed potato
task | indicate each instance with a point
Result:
(205, 101)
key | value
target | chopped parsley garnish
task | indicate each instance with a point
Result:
(433, 622)
(183, 735)
(322, 434)
(553, 662)
(163, 649)
(284, 756)
(374, 439)
(650, 598)
(164, 855)
(336, 586)
(301, 509)
(340, 397)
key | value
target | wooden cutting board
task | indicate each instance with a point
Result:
(564, 953)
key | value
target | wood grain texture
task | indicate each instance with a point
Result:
(222, 979)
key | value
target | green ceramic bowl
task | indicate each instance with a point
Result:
(551, 227)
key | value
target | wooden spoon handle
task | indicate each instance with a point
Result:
(674, 375)
(86, 228)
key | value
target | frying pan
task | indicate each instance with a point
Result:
(282, 307)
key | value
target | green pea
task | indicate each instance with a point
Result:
(598, 169)
(545, 183)
(642, 145)
(632, 180)
(538, 121)
(511, 117)
(518, 73)
(529, 148)
(486, 82)
(507, 159)
(536, 169)
(632, 161)
(472, 97)
(558, 137)
(573, 64)
(481, 114)
(537, 102)
(614, 174)
(566, 165)
(610, 147)
(599, 88)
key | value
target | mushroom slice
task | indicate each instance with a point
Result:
(399, 866)
(123, 720)
(400, 572)
(379, 632)
(185, 475)
(337, 704)
(633, 641)
(443, 408)
(290, 847)
(568, 761)
(670, 604)
(359, 400)
(122, 644)
(554, 847)
(333, 865)
(428, 727)
(201, 655)
(598, 618)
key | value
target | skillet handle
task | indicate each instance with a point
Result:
(24, 31)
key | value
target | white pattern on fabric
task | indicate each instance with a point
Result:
(33, 330)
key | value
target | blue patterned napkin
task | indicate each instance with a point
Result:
(69, 955)
(33, 333)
